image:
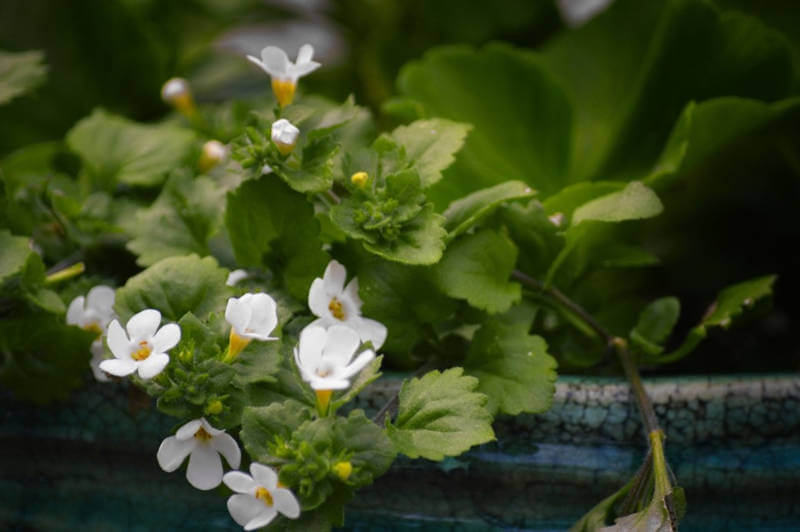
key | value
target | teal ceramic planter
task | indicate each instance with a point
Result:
(734, 443)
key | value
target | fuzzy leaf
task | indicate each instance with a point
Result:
(477, 268)
(440, 414)
(514, 369)
(118, 150)
(20, 73)
(466, 212)
(175, 286)
(430, 146)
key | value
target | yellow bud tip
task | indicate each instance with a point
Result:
(359, 179)
(284, 91)
(214, 152)
(214, 407)
(343, 470)
(323, 400)
(235, 345)
(176, 92)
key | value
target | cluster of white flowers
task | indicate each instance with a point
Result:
(93, 313)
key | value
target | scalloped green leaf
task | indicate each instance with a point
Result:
(477, 268)
(440, 414)
(421, 241)
(634, 202)
(465, 213)
(313, 170)
(430, 146)
(261, 425)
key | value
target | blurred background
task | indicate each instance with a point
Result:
(738, 221)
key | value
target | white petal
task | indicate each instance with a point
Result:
(238, 313)
(189, 429)
(340, 345)
(153, 365)
(239, 482)
(205, 468)
(244, 508)
(328, 383)
(358, 364)
(318, 299)
(120, 368)
(75, 312)
(335, 275)
(256, 61)
(371, 331)
(265, 314)
(101, 298)
(172, 452)
(275, 61)
(236, 275)
(264, 517)
(225, 445)
(298, 71)
(306, 373)
(118, 341)
(166, 338)
(286, 503)
(143, 326)
(312, 340)
(351, 293)
(208, 428)
(264, 475)
(305, 54)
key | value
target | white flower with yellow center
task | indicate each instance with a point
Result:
(283, 72)
(213, 153)
(333, 303)
(284, 135)
(93, 313)
(143, 347)
(203, 444)
(252, 317)
(325, 359)
(258, 497)
(177, 93)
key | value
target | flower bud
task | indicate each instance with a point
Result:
(284, 135)
(214, 152)
(177, 93)
(214, 407)
(359, 179)
(343, 470)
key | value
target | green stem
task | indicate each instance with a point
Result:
(65, 273)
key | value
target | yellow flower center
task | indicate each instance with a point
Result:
(337, 309)
(143, 352)
(284, 91)
(202, 435)
(264, 495)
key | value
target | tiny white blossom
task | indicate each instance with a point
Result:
(284, 134)
(253, 316)
(174, 88)
(283, 72)
(333, 303)
(235, 276)
(258, 497)
(214, 152)
(325, 356)
(143, 347)
(95, 311)
(203, 444)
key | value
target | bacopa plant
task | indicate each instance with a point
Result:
(288, 251)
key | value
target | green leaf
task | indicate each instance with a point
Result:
(404, 298)
(634, 202)
(367, 376)
(181, 221)
(258, 362)
(466, 212)
(521, 117)
(570, 198)
(261, 425)
(421, 241)
(430, 146)
(655, 324)
(15, 254)
(42, 357)
(273, 226)
(596, 518)
(313, 170)
(20, 73)
(704, 129)
(537, 237)
(117, 150)
(477, 268)
(514, 369)
(175, 286)
(632, 70)
(440, 414)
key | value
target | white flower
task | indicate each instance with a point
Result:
(253, 316)
(144, 346)
(235, 276)
(284, 134)
(203, 443)
(98, 355)
(332, 303)
(324, 356)
(177, 93)
(283, 72)
(258, 498)
(93, 312)
(213, 153)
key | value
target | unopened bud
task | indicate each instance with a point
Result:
(343, 470)
(177, 93)
(556, 219)
(214, 407)
(359, 179)
(214, 152)
(284, 135)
